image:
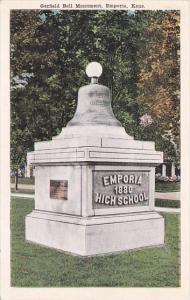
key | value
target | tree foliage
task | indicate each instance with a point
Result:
(159, 76)
(49, 52)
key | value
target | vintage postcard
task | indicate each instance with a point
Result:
(95, 149)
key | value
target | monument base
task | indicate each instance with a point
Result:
(87, 236)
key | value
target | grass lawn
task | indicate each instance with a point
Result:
(24, 180)
(167, 203)
(36, 266)
(167, 187)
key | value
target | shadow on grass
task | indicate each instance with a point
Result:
(36, 266)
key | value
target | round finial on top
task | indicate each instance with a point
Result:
(94, 70)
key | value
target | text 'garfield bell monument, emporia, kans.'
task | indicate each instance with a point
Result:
(94, 184)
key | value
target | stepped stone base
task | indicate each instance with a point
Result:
(98, 235)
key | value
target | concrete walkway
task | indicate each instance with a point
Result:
(168, 196)
(21, 195)
(167, 209)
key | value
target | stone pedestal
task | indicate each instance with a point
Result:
(96, 235)
(95, 195)
(94, 184)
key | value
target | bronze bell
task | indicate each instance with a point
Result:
(94, 102)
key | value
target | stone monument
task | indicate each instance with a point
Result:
(94, 184)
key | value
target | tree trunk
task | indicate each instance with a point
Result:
(16, 181)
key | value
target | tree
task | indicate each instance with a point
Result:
(159, 76)
(48, 59)
(49, 53)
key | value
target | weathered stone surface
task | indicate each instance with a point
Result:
(95, 236)
(94, 184)
(120, 188)
(96, 154)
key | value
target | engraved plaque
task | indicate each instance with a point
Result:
(120, 189)
(58, 189)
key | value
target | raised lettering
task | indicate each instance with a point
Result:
(113, 179)
(130, 189)
(141, 198)
(131, 179)
(107, 199)
(125, 200)
(106, 180)
(119, 201)
(120, 188)
(130, 199)
(139, 180)
(98, 198)
(112, 200)
(135, 199)
(103, 197)
(119, 178)
(125, 178)
(145, 197)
